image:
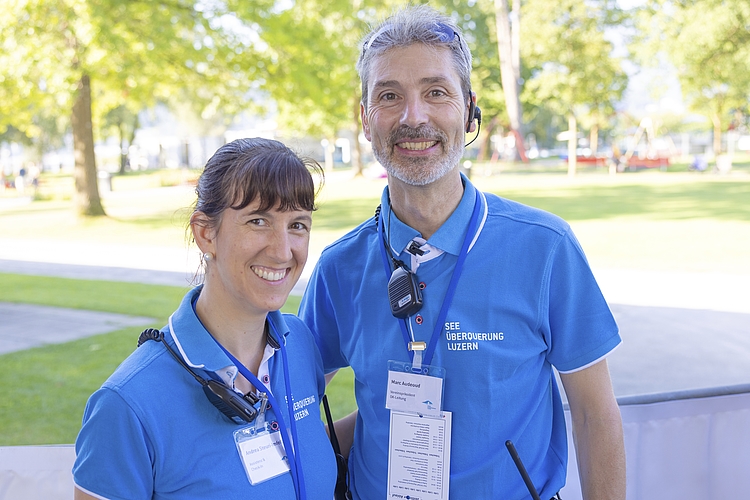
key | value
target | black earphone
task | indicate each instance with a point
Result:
(475, 113)
(237, 408)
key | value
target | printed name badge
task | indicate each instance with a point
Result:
(419, 451)
(262, 453)
(420, 392)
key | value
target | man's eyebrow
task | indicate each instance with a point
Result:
(387, 83)
(396, 83)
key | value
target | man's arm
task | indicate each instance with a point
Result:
(597, 432)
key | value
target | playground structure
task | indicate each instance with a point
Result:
(655, 154)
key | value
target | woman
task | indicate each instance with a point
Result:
(151, 431)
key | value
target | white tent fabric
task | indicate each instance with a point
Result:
(36, 472)
(692, 445)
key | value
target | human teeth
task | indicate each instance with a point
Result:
(417, 146)
(269, 275)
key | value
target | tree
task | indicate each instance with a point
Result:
(508, 41)
(309, 51)
(708, 42)
(574, 71)
(113, 52)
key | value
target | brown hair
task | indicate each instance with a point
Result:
(248, 169)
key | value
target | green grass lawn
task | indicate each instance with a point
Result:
(44, 390)
(647, 220)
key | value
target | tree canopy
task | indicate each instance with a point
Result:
(708, 42)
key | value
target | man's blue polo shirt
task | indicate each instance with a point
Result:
(150, 431)
(526, 301)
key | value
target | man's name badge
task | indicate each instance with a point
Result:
(419, 452)
(420, 392)
(262, 454)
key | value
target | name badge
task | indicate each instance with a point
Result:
(262, 454)
(419, 391)
(419, 450)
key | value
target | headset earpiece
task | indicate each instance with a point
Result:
(472, 107)
(474, 114)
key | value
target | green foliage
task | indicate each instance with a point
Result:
(136, 54)
(708, 43)
(572, 66)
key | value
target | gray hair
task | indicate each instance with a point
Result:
(416, 24)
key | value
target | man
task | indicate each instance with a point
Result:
(506, 294)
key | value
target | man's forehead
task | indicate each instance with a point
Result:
(416, 63)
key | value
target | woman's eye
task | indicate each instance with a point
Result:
(257, 222)
(298, 226)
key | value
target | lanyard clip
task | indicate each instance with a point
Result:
(417, 348)
(260, 420)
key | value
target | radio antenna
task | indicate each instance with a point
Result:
(522, 469)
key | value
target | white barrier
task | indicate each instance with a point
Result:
(690, 445)
(36, 472)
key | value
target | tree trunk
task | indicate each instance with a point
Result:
(87, 199)
(572, 143)
(716, 120)
(485, 139)
(123, 153)
(356, 149)
(509, 68)
(594, 139)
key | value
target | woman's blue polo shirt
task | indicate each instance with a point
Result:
(150, 431)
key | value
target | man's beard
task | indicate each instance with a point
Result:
(418, 171)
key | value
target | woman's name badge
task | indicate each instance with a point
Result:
(418, 390)
(262, 454)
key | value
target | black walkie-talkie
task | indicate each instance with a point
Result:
(404, 293)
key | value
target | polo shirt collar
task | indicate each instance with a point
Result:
(196, 345)
(449, 237)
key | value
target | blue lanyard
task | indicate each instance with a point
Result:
(473, 226)
(295, 465)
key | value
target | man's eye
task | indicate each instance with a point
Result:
(437, 93)
(388, 96)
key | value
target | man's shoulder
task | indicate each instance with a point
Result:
(352, 241)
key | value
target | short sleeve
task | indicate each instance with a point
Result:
(580, 327)
(316, 311)
(114, 455)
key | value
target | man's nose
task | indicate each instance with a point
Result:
(415, 112)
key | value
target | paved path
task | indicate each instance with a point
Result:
(680, 330)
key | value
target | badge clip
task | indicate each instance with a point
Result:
(417, 348)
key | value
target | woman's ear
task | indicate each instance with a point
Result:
(203, 232)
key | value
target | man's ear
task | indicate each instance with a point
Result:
(203, 232)
(365, 121)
